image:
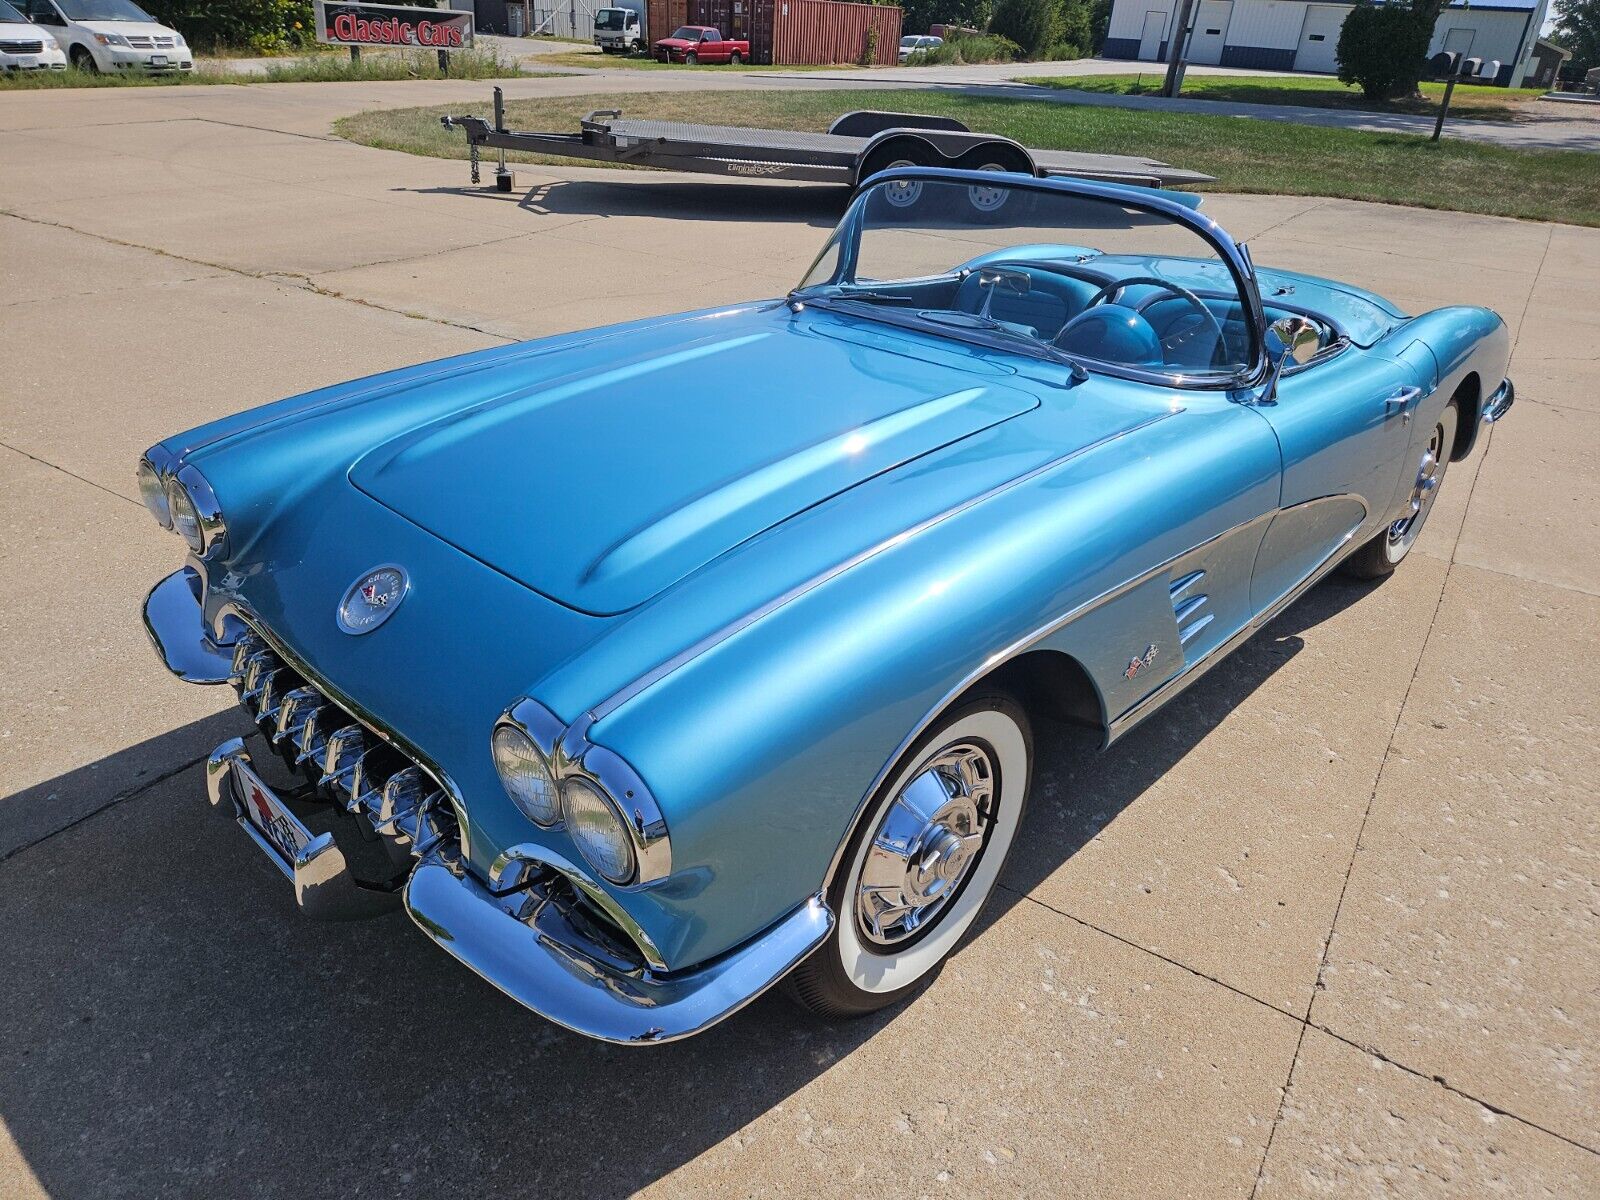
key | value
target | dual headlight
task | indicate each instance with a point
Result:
(620, 851)
(183, 502)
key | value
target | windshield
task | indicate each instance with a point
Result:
(610, 18)
(1063, 276)
(688, 34)
(104, 10)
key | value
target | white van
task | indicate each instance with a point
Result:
(24, 47)
(111, 35)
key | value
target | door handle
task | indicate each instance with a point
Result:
(1401, 398)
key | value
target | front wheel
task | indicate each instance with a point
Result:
(923, 861)
(1384, 552)
(691, 59)
(84, 61)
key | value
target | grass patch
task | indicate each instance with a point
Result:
(1473, 100)
(317, 68)
(1245, 155)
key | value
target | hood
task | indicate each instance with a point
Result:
(128, 28)
(1365, 316)
(627, 466)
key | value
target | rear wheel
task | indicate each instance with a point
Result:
(735, 59)
(923, 861)
(1384, 552)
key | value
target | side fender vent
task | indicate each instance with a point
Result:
(1189, 606)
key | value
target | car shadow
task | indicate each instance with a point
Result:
(651, 194)
(172, 1026)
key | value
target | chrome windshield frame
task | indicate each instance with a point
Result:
(1149, 200)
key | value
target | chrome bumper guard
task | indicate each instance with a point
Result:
(542, 932)
(1498, 404)
(323, 885)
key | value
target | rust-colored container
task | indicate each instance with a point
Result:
(830, 31)
(663, 17)
(794, 32)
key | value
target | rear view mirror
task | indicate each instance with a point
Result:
(1292, 339)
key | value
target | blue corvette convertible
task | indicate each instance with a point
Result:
(651, 665)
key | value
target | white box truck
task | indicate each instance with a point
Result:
(620, 28)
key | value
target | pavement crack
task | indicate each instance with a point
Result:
(70, 474)
(138, 789)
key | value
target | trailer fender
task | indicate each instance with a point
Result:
(942, 148)
(868, 122)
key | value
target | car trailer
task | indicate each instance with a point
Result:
(856, 145)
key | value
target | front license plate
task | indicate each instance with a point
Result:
(267, 813)
(158, 60)
(27, 60)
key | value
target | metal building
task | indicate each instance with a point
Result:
(1297, 35)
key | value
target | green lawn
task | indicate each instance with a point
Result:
(598, 60)
(311, 68)
(1245, 155)
(1312, 91)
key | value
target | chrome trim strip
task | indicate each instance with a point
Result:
(1184, 583)
(1188, 607)
(517, 864)
(464, 919)
(213, 529)
(610, 705)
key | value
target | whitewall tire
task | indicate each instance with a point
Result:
(924, 859)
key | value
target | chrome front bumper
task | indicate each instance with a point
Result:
(1499, 403)
(541, 931)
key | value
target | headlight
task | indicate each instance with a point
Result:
(185, 519)
(178, 37)
(154, 494)
(111, 39)
(525, 774)
(598, 829)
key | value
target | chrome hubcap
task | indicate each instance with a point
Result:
(925, 845)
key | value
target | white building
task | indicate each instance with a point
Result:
(1296, 35)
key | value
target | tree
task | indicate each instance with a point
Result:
(1382, 48)
(922, 15)
(1035, 25)
(1578, 29)
(263, 25)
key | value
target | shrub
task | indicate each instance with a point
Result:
(957, 51)
(265, 26)
(1381, 49)
(1031, 24)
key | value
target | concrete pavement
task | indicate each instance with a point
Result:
(1327, 926)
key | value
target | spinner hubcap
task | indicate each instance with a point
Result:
(1423, 490)
(925, 845)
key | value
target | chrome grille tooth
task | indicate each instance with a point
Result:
(403, 793)
(365, 790)
(269, 694)
(312, 741)
(293, 712)
(247, 645)
(257, 665)
(344, 750)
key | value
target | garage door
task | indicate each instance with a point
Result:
(1319, 38)
(1210, 32)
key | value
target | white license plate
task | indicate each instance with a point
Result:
(27, 60)
(158, 60)
(267, 813)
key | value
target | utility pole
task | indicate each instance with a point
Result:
(1177, 50)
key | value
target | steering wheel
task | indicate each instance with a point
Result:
(1183, 293)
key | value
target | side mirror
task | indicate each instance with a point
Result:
(1019, 282)
(1289, 340)
(1292, 339)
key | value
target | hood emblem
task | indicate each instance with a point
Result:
(372, 599)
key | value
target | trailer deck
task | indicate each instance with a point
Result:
(855, 145)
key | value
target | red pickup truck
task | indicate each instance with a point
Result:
(700, 44)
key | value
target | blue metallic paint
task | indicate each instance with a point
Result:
(787, 642)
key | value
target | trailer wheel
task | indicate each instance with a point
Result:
(904, 197)
(987, 204)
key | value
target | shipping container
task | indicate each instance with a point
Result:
(794, 32)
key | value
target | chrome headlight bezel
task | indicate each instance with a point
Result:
(186, 504)
(574, 758)
(153, 492)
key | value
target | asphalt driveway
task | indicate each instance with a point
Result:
(1329, 925)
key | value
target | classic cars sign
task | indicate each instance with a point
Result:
(393, 25)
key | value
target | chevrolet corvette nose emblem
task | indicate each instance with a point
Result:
(372, 599)
(1140, 661)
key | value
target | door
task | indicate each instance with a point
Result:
(1459, 41)
(1345, 428)
(1210, 32)
(1155, 28)
(1319, 38)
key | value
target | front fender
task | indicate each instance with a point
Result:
(1466, 341)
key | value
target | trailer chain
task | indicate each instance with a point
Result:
(472, 155)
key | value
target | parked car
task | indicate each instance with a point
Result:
(25, 47)
(654, 664)
(619, 30)
(111, 35)
(701, 44)
(912, 43)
